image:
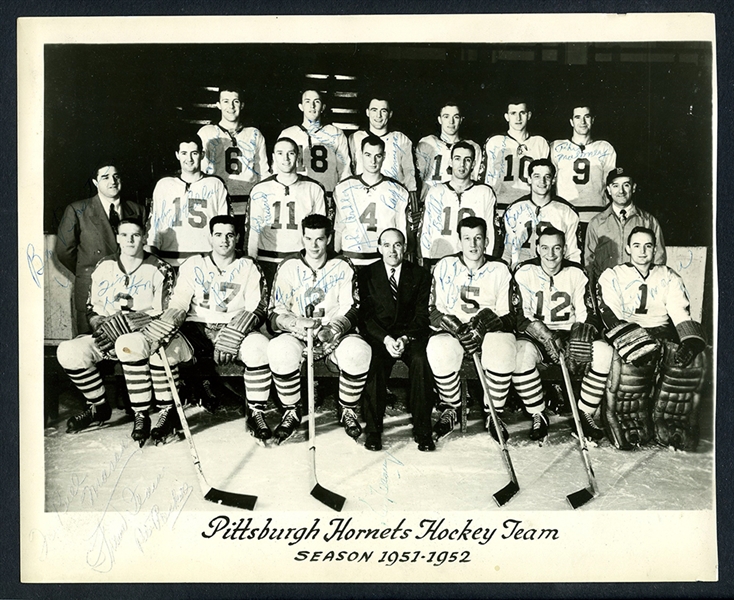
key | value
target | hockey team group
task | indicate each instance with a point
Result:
(519, 254)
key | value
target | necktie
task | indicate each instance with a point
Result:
(114, 218)
(393, 284)
(623, 216)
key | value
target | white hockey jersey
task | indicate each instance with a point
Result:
(210, 295)
(238, 158)
(146, 289)
(276, 212)
(179, 219)
(506, 165)
(398, 163)
(323, 155)
(463, 292)
(331, 289)
(443, 208)
(363, 212)
(433, 159)
(524, 220)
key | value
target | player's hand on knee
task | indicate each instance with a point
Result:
(687, 351)
(102, 341)
(158, 333)
(581, 342)
(549, 340)
(470, 339)
(486, 321)
(451, 324)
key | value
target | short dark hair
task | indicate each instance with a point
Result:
(464, 145)
(373, 140)
(290, 141)
(379, 97)
(472, 223)
(189, 138)
(132, 220)
(317, 221)
(384, 231)
(312, 89)
(449, 103)
(101, 165)
(517, 100)
(229, 86)
(550, 230)
(581, 104)
(542, 162)
(222, 220)
(640, 229)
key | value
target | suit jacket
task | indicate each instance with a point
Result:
(381, 315)
(86, 236)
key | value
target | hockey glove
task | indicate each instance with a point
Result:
(451, 324)
(230, 337)
(581, 342)
(485, 321)
(540, 332)
(330, 336)
(633, 343)
(102, 341)
(470, 340)
(160, 331)
(687, 351)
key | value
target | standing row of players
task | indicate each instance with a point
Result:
(220, 302)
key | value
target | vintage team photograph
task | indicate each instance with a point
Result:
(358, 279)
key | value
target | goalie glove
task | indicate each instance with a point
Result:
(540, 332)
(633, 343)
(692, 342)
(229, 339)
(485, 321)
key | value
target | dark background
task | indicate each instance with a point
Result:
(126, 102)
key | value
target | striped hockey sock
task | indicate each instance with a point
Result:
(288, 387)
(530, 389)
(257, 385)
(139, 384)
(592, 391)
(499, 385)
(88, 382)
(350, 389)
(161, 389)
(449, 389)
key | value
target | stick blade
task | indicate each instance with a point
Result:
(327, 497)
(580, 498)
(231, 499)
(506, 494)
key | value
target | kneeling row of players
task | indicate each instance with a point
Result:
(633, 340)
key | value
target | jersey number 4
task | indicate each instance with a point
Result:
(196, 218)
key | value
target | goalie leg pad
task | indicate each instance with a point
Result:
(445, 354)
(254, 350)
(627, 413)
(352, 355)
(677, 399)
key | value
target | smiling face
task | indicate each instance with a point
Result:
(379, 114)
(517, 116)
(550, 251)
(108, 183)
(641, 249)
(315, 242)
(130, 239)
(230, 105)
(285, 157)
(541, 180)
(473, 243)
(189, 156)
(311, 106)
(392, 248)
(224, 240)
(450, 120)
(621, 190)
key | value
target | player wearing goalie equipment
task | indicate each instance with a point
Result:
(645, 309)
(129, 292)
(556, 313)
(219, 301)
(366, 205)
(471, 308)
(317, 278)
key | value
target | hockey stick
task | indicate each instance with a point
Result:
(327, 497)
(588, 493)
(212, 494)
(506, 494)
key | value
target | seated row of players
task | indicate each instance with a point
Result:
(475, 306)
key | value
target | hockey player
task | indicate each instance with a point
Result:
(645, 306)
(471, 306)
(183, 205)
(366, 205)
(219, 302)
(327, 283)
(583, 164)
(277, 205)
(433, 153)
(529, 215)
(557, 312)
(608, 231)
(324, 150)
(446, 204)
(509, 155)
(233, 152)
(398, 163)
(129, 291)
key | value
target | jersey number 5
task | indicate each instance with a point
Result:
(196, 218)
(471, 306)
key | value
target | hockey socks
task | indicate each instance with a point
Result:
(530, 389)
(88, 382)
(592, 391)
(288, 387)
(449, 389)
(257, 383)
(139, 384)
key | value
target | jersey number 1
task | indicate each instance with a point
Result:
(196, 218)
(291, 216)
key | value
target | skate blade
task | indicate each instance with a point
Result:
(92, 427)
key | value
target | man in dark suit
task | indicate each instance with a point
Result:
(87, 233)
(394, 320)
